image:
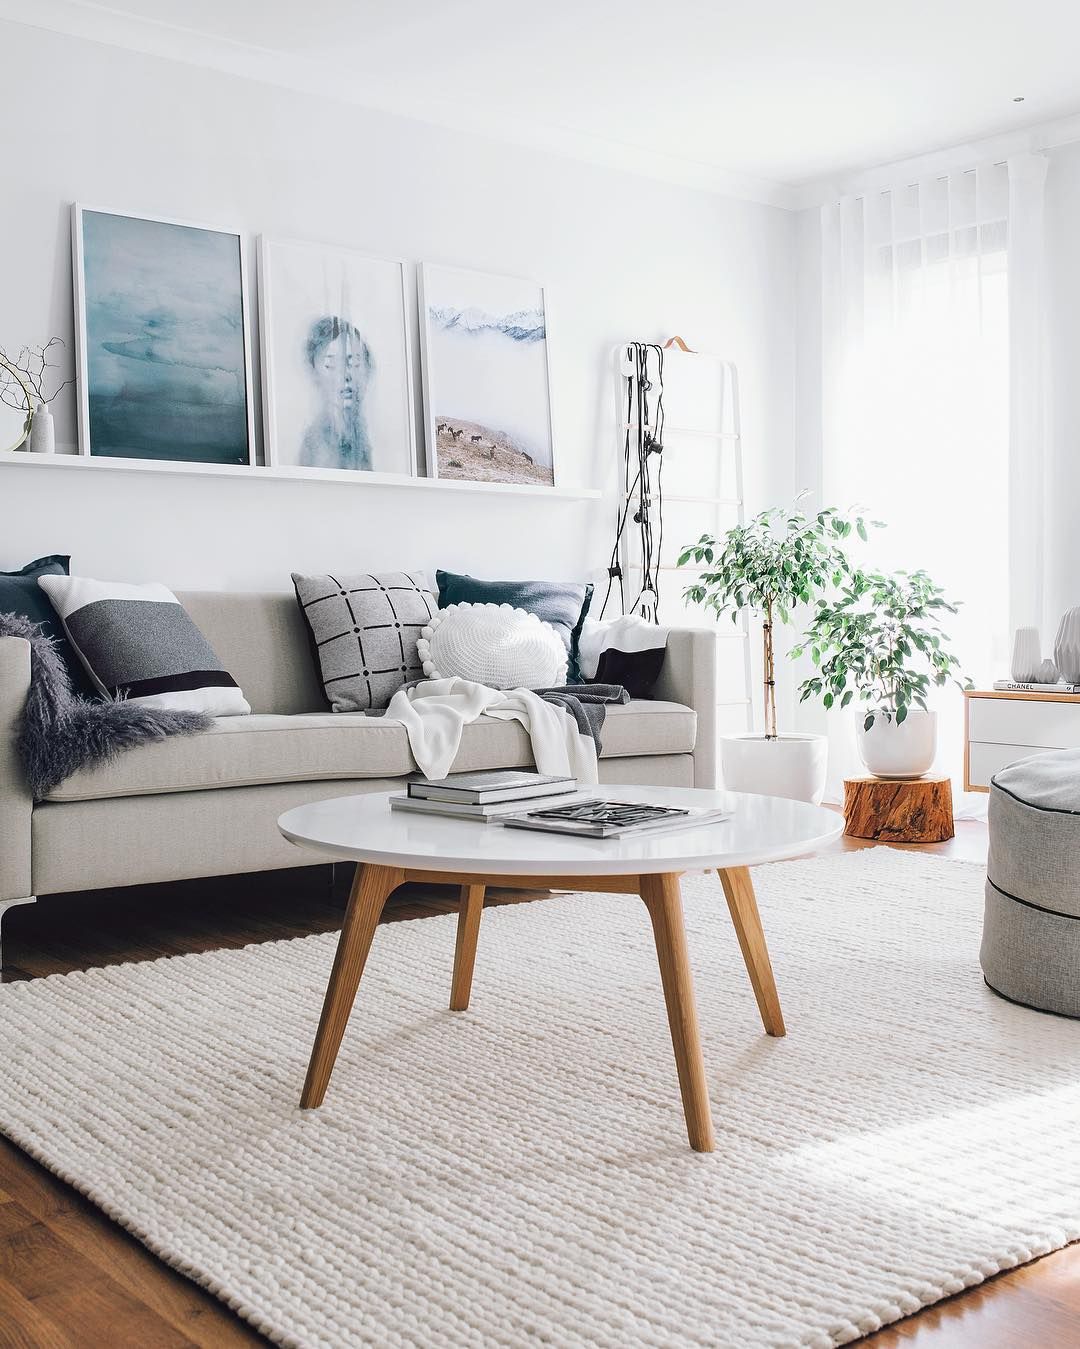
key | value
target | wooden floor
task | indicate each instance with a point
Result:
(69, 1277)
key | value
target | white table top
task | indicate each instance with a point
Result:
(365, 829)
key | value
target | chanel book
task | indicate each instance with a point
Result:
(1011, 686)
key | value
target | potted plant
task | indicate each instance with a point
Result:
(881, 641)
(769, 566)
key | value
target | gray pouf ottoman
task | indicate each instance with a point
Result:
(1031, 928)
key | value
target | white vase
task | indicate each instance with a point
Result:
(1067, 647)
(1026, 655)
(42, 431)
(899, 751)
(790, 765)
(1048, 672)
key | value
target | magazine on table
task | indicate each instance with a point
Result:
(598, 818)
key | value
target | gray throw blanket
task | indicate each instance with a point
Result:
(62, 732)
(587, 704)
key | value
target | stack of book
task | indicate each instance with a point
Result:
(480, 796)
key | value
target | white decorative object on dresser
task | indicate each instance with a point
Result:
(1026, 654)
(1003, 726)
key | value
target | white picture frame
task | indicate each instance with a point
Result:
(381, 426)
(233, 454)
(498, 397)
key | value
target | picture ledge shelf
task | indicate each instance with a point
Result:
(261, 472)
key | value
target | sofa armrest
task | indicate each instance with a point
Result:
(16, 803)
(689, 676)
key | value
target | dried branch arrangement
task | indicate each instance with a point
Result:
(33, 371)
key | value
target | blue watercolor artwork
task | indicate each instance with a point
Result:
(164, 356)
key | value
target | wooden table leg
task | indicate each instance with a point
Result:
(664, 902)
(468, 926)
(739, 892)
(370, 890)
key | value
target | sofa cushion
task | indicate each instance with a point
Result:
(627, 650)
(563, 604)
(245, 751)
(138, 642)
(20, 594)
(364, 630)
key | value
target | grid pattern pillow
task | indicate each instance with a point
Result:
(139, 642)
(364, 629)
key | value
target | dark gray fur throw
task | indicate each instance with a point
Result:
(62, 733)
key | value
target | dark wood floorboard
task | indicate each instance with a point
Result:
(71, 1278)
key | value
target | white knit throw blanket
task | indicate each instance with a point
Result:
(435, 711)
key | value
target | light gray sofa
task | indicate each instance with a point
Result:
(207, 805)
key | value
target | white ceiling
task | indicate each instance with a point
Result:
(769, 93)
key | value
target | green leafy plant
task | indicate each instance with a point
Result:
(775, 562)
(880, 640)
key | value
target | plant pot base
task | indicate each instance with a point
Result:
(791, 766)
(896, 810)
(899, 751)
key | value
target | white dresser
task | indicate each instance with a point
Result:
(1001, 727)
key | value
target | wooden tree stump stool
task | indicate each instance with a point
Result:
(899, 811)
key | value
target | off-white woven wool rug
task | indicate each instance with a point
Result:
(519, 1174)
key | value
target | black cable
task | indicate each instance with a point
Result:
(614, 567)
(647, 422)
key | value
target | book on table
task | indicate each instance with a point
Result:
(595, 818)
(461, 810)
(489, 787)
(1033, 686)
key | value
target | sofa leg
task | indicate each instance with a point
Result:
(6, 904)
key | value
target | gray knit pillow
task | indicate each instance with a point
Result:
(364, 630)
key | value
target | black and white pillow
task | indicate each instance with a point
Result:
(138, 642)
(364, 629)
(627, 651)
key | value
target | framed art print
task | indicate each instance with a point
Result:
(164, 362)
(337, 376)
(487, 400)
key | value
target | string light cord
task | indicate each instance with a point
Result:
(643, 467)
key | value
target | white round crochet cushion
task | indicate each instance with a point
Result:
(492, 644)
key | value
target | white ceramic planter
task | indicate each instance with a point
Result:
(904, 751)
(791, 765)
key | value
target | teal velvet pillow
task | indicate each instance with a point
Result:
(563, 604)
(21, 594)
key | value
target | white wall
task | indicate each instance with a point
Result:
(623, 257)
(1063, 274)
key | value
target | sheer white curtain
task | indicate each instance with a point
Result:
(916, 405)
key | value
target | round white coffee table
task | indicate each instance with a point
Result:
(394, 847)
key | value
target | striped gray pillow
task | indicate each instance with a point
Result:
(138, 642)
